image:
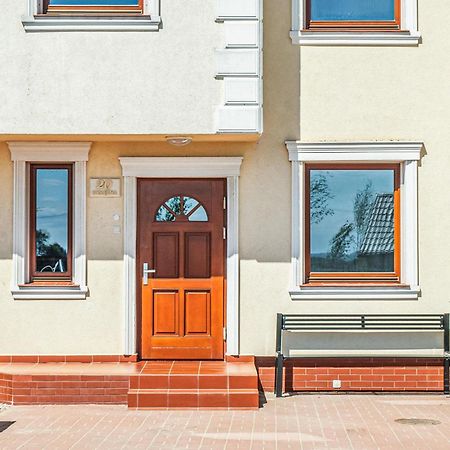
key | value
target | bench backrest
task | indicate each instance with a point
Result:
(362, 322)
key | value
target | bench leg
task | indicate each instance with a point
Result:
(279, 375)
(447, 375)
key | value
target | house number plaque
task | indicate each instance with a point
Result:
(105, 187)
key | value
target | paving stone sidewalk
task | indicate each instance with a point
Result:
(297, 422)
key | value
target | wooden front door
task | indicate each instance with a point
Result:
(181, 244)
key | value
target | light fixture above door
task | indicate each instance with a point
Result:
(179, 141)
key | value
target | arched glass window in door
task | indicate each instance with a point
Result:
(181, 209)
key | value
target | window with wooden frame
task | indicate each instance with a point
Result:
(119, 7)
(51, 211)
(353, 15)
(352, 218)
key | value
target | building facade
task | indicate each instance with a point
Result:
(174, 174)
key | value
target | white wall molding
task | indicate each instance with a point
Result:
(238, 119)
(354, 151)
(149, 21)
(242, 91)
(233, 62)
(181, 167)
(241, 34)
(405, 153)
(23, 153)
(130, 240)
(238, 9)
(49, 151)
(240, 60)
(408, 36)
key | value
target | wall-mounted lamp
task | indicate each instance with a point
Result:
(179, 141)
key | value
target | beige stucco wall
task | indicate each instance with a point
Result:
(311, 93)
(111, 82)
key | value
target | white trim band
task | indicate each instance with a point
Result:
(180, 167)
(356, 39)
(144, 23)
(354, 151)
(357, 293)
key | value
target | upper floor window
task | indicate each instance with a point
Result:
(353, 14)
(93, 6)
(92, 15)
(355, 22)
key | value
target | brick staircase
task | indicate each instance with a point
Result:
(142, 385)
(63, 389)
(192, 385)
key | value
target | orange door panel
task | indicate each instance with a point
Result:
(180, 241)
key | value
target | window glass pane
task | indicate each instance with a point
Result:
(189, 204)
(199, 215)
(181, 208)
(52, 219)
(352, 220)
(163, 215)
(357, 10)
(94, 2)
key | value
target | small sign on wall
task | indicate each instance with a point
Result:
(105, 187)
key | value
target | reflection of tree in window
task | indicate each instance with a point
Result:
(320, 194)
(360, 237)
(341, 243)
(51, 219)
(181, 208)
(50, 257)
(361, 210)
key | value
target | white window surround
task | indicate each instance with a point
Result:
(408, 36)
(23, 153)
(181, 167)
(150, 20)
(405, 153)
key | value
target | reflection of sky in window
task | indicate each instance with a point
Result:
(94, 2)
(52, 204)
(343, 185)
(352, 10)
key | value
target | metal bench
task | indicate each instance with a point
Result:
(361, 322)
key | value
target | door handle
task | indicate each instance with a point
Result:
(145, 273)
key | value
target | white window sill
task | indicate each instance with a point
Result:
(355, 293)
(355, 39)
(49, 293)
(144, 23)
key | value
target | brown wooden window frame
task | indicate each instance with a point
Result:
(50, 277)
(92, 10)
(353, 278)
(354, 25)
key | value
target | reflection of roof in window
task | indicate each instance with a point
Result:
(379, 236)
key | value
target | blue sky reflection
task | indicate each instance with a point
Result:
(52, 204)
(343, 186)
(352, 10)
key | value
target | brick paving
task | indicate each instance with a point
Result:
(296, 422)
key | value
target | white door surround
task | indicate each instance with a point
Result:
(181, 167)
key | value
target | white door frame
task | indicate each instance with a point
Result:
(180, 167)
